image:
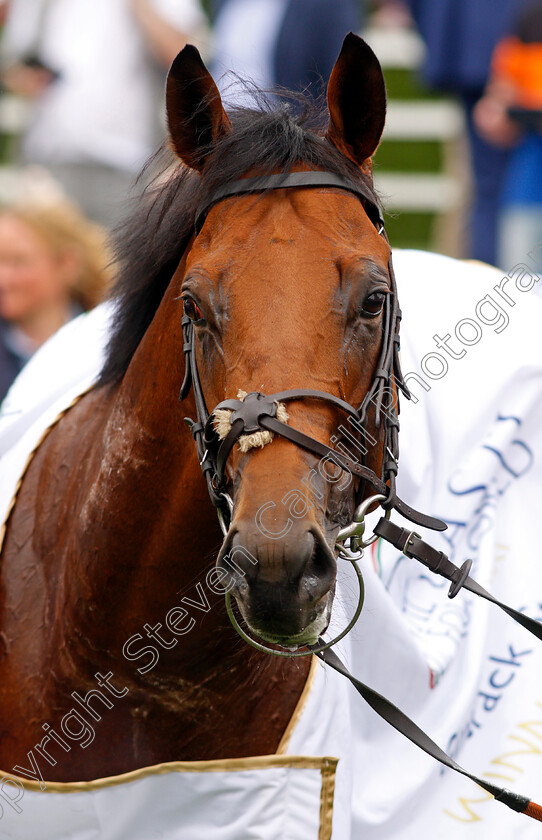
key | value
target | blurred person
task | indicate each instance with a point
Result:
(510, 116)
(95, 70)
(288, 43)
(391, 14)
(53, 266)
(460, 36)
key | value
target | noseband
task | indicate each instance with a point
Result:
(258, 411)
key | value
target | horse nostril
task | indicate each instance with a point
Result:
(236, 559)
(242, 586)
(319, 573)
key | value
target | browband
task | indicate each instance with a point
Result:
(285, 180)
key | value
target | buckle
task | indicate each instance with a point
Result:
(409, 538)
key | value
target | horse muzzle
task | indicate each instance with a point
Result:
(284, 588)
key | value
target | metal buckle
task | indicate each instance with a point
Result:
(405, 551)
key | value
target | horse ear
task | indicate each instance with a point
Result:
(195, 115)
(356, 98)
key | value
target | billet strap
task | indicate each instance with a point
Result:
(403, 724)
(283, 180)
(412, 545)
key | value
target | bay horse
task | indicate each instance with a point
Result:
(113, 522)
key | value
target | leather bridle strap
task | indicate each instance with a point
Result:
(361, 471)
(403, 724)
(285, 180)
(412, 545)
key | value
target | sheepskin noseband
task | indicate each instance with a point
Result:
(222, 425)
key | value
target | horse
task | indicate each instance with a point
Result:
(257, 281)
(113, 522)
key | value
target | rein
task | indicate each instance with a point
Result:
(259, 411)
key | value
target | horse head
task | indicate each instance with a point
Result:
(285, 289)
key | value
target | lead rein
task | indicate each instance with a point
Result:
(411, 545)
(403, 724)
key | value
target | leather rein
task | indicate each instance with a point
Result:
(259, 411)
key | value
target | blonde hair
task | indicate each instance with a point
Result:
(64, 229)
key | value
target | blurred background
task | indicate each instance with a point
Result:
(81, 110)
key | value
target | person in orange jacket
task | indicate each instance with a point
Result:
(510, 116)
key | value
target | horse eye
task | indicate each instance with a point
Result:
(192, 310)
(373, 303)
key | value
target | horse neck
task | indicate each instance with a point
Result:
(158, 534)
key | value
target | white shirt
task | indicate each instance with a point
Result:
(104, 105)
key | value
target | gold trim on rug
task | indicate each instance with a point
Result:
(327, 795)
(222, 765)
(300, 707)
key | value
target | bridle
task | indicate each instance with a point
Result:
(259, 411)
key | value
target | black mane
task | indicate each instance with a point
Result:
(153, 241)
